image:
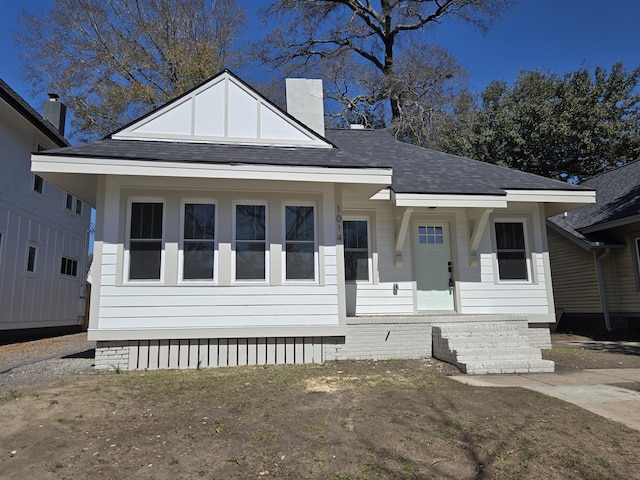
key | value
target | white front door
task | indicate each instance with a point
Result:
(434, 281)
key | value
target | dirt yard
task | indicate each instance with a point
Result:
(346, 420)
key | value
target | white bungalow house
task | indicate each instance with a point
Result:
(43, 229)
(230, 232)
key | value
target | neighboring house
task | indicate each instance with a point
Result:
(595, 256)
(43, 229)
(230, 232)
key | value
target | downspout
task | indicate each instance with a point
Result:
(603, 290)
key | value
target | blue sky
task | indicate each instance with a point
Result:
(559, 35)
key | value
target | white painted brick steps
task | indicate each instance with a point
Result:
(488, 347)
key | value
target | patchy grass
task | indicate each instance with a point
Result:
(11, 395)
(347, 420)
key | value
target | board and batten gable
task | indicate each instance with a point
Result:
(37, 234)
(223, 110)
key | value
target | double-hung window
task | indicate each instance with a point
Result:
(300, 243)
(511, 251)
(356, 249)
(145, 241)
(198, 248)
(250, 242)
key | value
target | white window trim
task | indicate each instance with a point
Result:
(267, 249)
(216, 255)
(365, 218)
(284, 242)
(130, 202)
(527, 250)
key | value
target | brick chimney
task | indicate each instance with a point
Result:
(56, 112)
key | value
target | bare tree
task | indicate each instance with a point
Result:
(374, 55)
(113, 60)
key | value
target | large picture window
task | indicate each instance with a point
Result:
(511, 251)
(251, 242)
(199, 247)
(356, 250)
(300, 243)
(145, 241)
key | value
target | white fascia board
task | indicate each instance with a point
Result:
(449, 200)
(97, 166)
(552, 196)
(384, 194)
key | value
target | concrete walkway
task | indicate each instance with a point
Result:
(599, 391)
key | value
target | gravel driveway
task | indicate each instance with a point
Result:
(22, 364)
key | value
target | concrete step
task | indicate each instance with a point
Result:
(488, 347)
(487, 342)
(506, 366)
(531, 353)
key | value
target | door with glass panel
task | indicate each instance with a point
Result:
(433, 268)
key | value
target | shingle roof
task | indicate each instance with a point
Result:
(415, 169)
(617, 198)
(212, 153)
(421, 170)
(22, 107)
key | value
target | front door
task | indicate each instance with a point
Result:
(434, 281)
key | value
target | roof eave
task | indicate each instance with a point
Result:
(621, 222)
(54, 167)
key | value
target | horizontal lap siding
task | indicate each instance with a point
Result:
(190, 306)
(503, 298)
(378, 297)
(575, 278)
(625, 285)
